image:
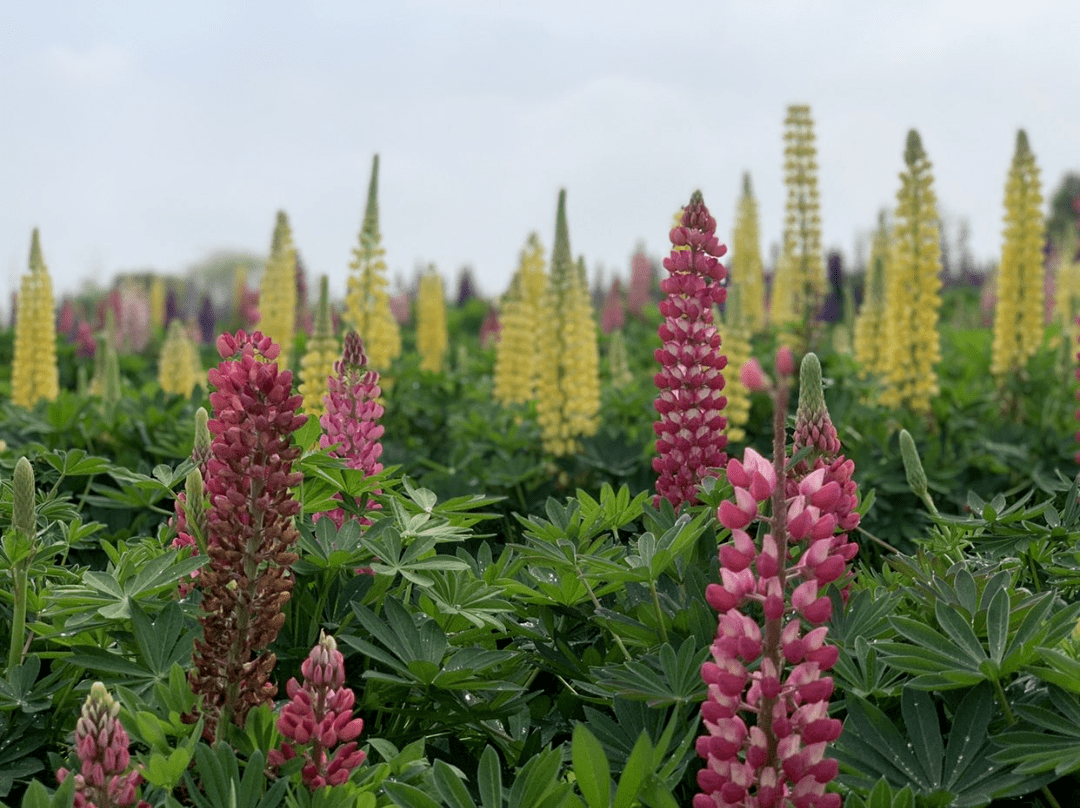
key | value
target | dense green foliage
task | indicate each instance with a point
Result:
(534, 630)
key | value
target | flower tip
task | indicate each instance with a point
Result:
(785, 361)
(753, 377)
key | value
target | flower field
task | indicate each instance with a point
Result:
(700, 538)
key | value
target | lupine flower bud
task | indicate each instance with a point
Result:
(690, 431)
(753, 377)
(813, 427)
(318, 717)
(22, 499)
(101, 743)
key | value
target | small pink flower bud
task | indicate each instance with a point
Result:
(753, 377)
(785, 361)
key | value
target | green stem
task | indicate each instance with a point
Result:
(1004, 702)
(1034, 573)
(659, 614)
(1011, 718)
(596, 604)
(1050, 798)
(18, 617)
(878, 541)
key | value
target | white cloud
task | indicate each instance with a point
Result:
(98, 67)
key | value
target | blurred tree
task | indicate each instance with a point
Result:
(1064, 208)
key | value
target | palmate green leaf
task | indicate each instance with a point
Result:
(416, 650)
(872, 746)
(109, 595)
(921, 721)
(1060, 669)
(538, 785)
(76, 462)
(458, 593)
(961, 633)
(1050, 741)
(659, 679)
(883, 796)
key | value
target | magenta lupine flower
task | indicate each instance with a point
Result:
(641, 283)
(766, 712)
(690, 439)
(318, 717)
(613, 314)
(1077, 458)
(490, 328)
(101, 742)
(250, 530)
(351, 420)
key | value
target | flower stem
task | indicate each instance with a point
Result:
(18, 617)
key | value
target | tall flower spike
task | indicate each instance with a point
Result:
(568, 389)
(319, 717)
(642, 281)
(913, 288)
(690, 431)
(517, 365)
(277, 294)
(34, 372)
(351, 428)
(250, 528)
(322, 352)
(101, 742)
(870, 344)
(618, 362)
(1018, 314)
(178, 362)
(367, 304)
(747, 268)
(766, 710)
(432, 340)
(736, 340)
(800, 272)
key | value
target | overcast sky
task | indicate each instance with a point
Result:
(150, 134)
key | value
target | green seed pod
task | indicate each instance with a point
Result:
(22, 518)
(195, 506)
(913, 469)
(201, 451)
